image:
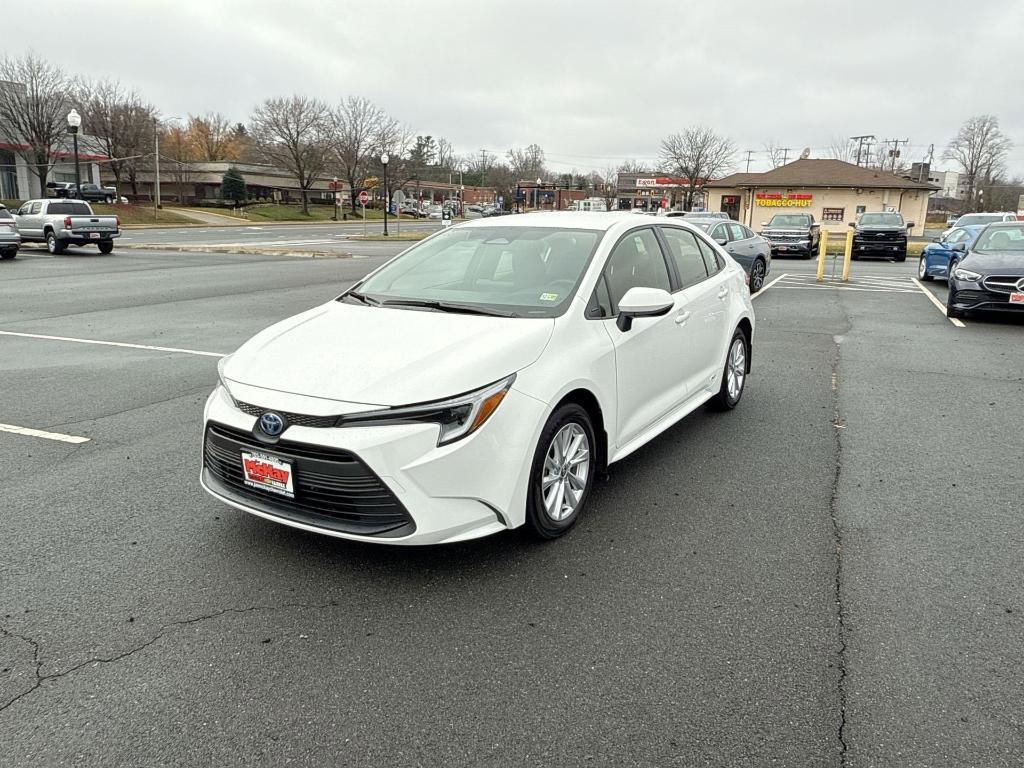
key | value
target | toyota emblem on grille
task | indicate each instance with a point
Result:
(271, 424)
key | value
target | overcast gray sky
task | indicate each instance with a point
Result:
(593, 82)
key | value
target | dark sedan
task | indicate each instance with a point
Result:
(990, 276)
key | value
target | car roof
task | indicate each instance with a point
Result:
(713, 220)
(601, 220)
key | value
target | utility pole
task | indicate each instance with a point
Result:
(895, 151)
(156, 165)
(860, 145)
(785, 155)
(749, 153)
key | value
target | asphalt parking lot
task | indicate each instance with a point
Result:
(828, 575)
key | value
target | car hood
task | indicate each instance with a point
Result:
(1006, 263)
(881, 229)
(386, 357)
(785, 230)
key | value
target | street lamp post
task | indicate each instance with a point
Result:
(536, 196)
(74, 122)
(387, 203)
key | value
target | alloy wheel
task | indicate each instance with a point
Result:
(922, 269)
(736, 368)
(566, 468)
(757, 276)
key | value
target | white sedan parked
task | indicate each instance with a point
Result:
(480, 380)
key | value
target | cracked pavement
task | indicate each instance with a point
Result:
(827, 576)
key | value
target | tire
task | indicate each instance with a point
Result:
(736, 358)
(922, 271)
(106, 246)
(902, 256)
(546, 514)
(949, 273)
(53, 245)
(108, 200)
(757, 270)
(10, 253)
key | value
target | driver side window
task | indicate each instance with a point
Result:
(636, 261)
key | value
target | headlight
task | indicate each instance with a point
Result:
(966, 274)
(220, 375)
(458, 417)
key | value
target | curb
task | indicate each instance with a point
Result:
(249, 251)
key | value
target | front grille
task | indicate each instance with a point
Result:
(1002, 283)
(296, 419)
(333, 488)
(785, 238)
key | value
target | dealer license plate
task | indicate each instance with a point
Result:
(94, 235)
(1017, 298)
(268, 473)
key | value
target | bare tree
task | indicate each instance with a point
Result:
(212, 137)
(696, 154)
(177, 153)
(395, 140)
(294, 133)
(357, 124)
(446, 159)
(120, 122)
(842, 148)
(980, 148)
(610, 186)
(777, 154)
(527, 163)
(634, 166)
(34, 103)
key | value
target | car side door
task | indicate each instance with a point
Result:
(650, 357)
(30, 221)
(701, 274)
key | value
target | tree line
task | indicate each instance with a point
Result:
(311, 140)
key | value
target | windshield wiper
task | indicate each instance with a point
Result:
(362, 298)
(445, 306)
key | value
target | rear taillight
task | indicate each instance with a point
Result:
(67, 222)
(117, 220)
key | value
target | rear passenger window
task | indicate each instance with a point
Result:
(737, 232)
(685, 253)
(712, 262)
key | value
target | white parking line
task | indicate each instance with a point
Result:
(111, 343)
(937, 303)
(766, 287)
(43, 434)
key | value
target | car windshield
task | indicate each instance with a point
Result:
(978, 218)
(1001, 239)
(881, 220)
(5, 214)
(790, 221)
(521, 271)
(69, 209)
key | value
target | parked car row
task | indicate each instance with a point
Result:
(986, 271)
(92, 193)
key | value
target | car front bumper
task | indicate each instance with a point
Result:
(879, 247)
(470, 488)
(799, 247)
(972, 297)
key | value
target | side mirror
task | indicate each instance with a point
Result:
(721, 240)
(911, 225)
(852, 224)
(764, 223)
(642, 302)
(959, 247)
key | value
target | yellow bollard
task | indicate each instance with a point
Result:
(847, 256)
(822, 248)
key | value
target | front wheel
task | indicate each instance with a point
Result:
(108, 199)
(734, 377)
(901, 256)
(53, 245)
(922, 271)
(952, 268)
(757, 272)
(106, 246)
(9, 254)
(563, 472)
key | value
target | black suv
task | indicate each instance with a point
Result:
(881, 234)
(796, 233)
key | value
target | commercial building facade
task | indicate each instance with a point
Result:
(834, 192)
(651, 191)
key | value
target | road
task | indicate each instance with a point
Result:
(830, 575)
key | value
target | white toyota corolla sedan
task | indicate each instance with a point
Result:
(480, 380)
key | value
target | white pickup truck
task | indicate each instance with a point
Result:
(60, 223)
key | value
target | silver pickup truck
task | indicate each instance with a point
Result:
(60, 223)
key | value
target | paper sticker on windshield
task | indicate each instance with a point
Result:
(549, 297)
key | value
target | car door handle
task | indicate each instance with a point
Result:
(682, 317)
(723, 293)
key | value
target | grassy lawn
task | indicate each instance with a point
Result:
(316, 213)
(140, 214)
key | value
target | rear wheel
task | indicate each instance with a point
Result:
(563, 472)
(106, 246)
(922, 271)
(108, 199)
(757, 272)
(53, 245)
(10, 253)
(734, 377)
